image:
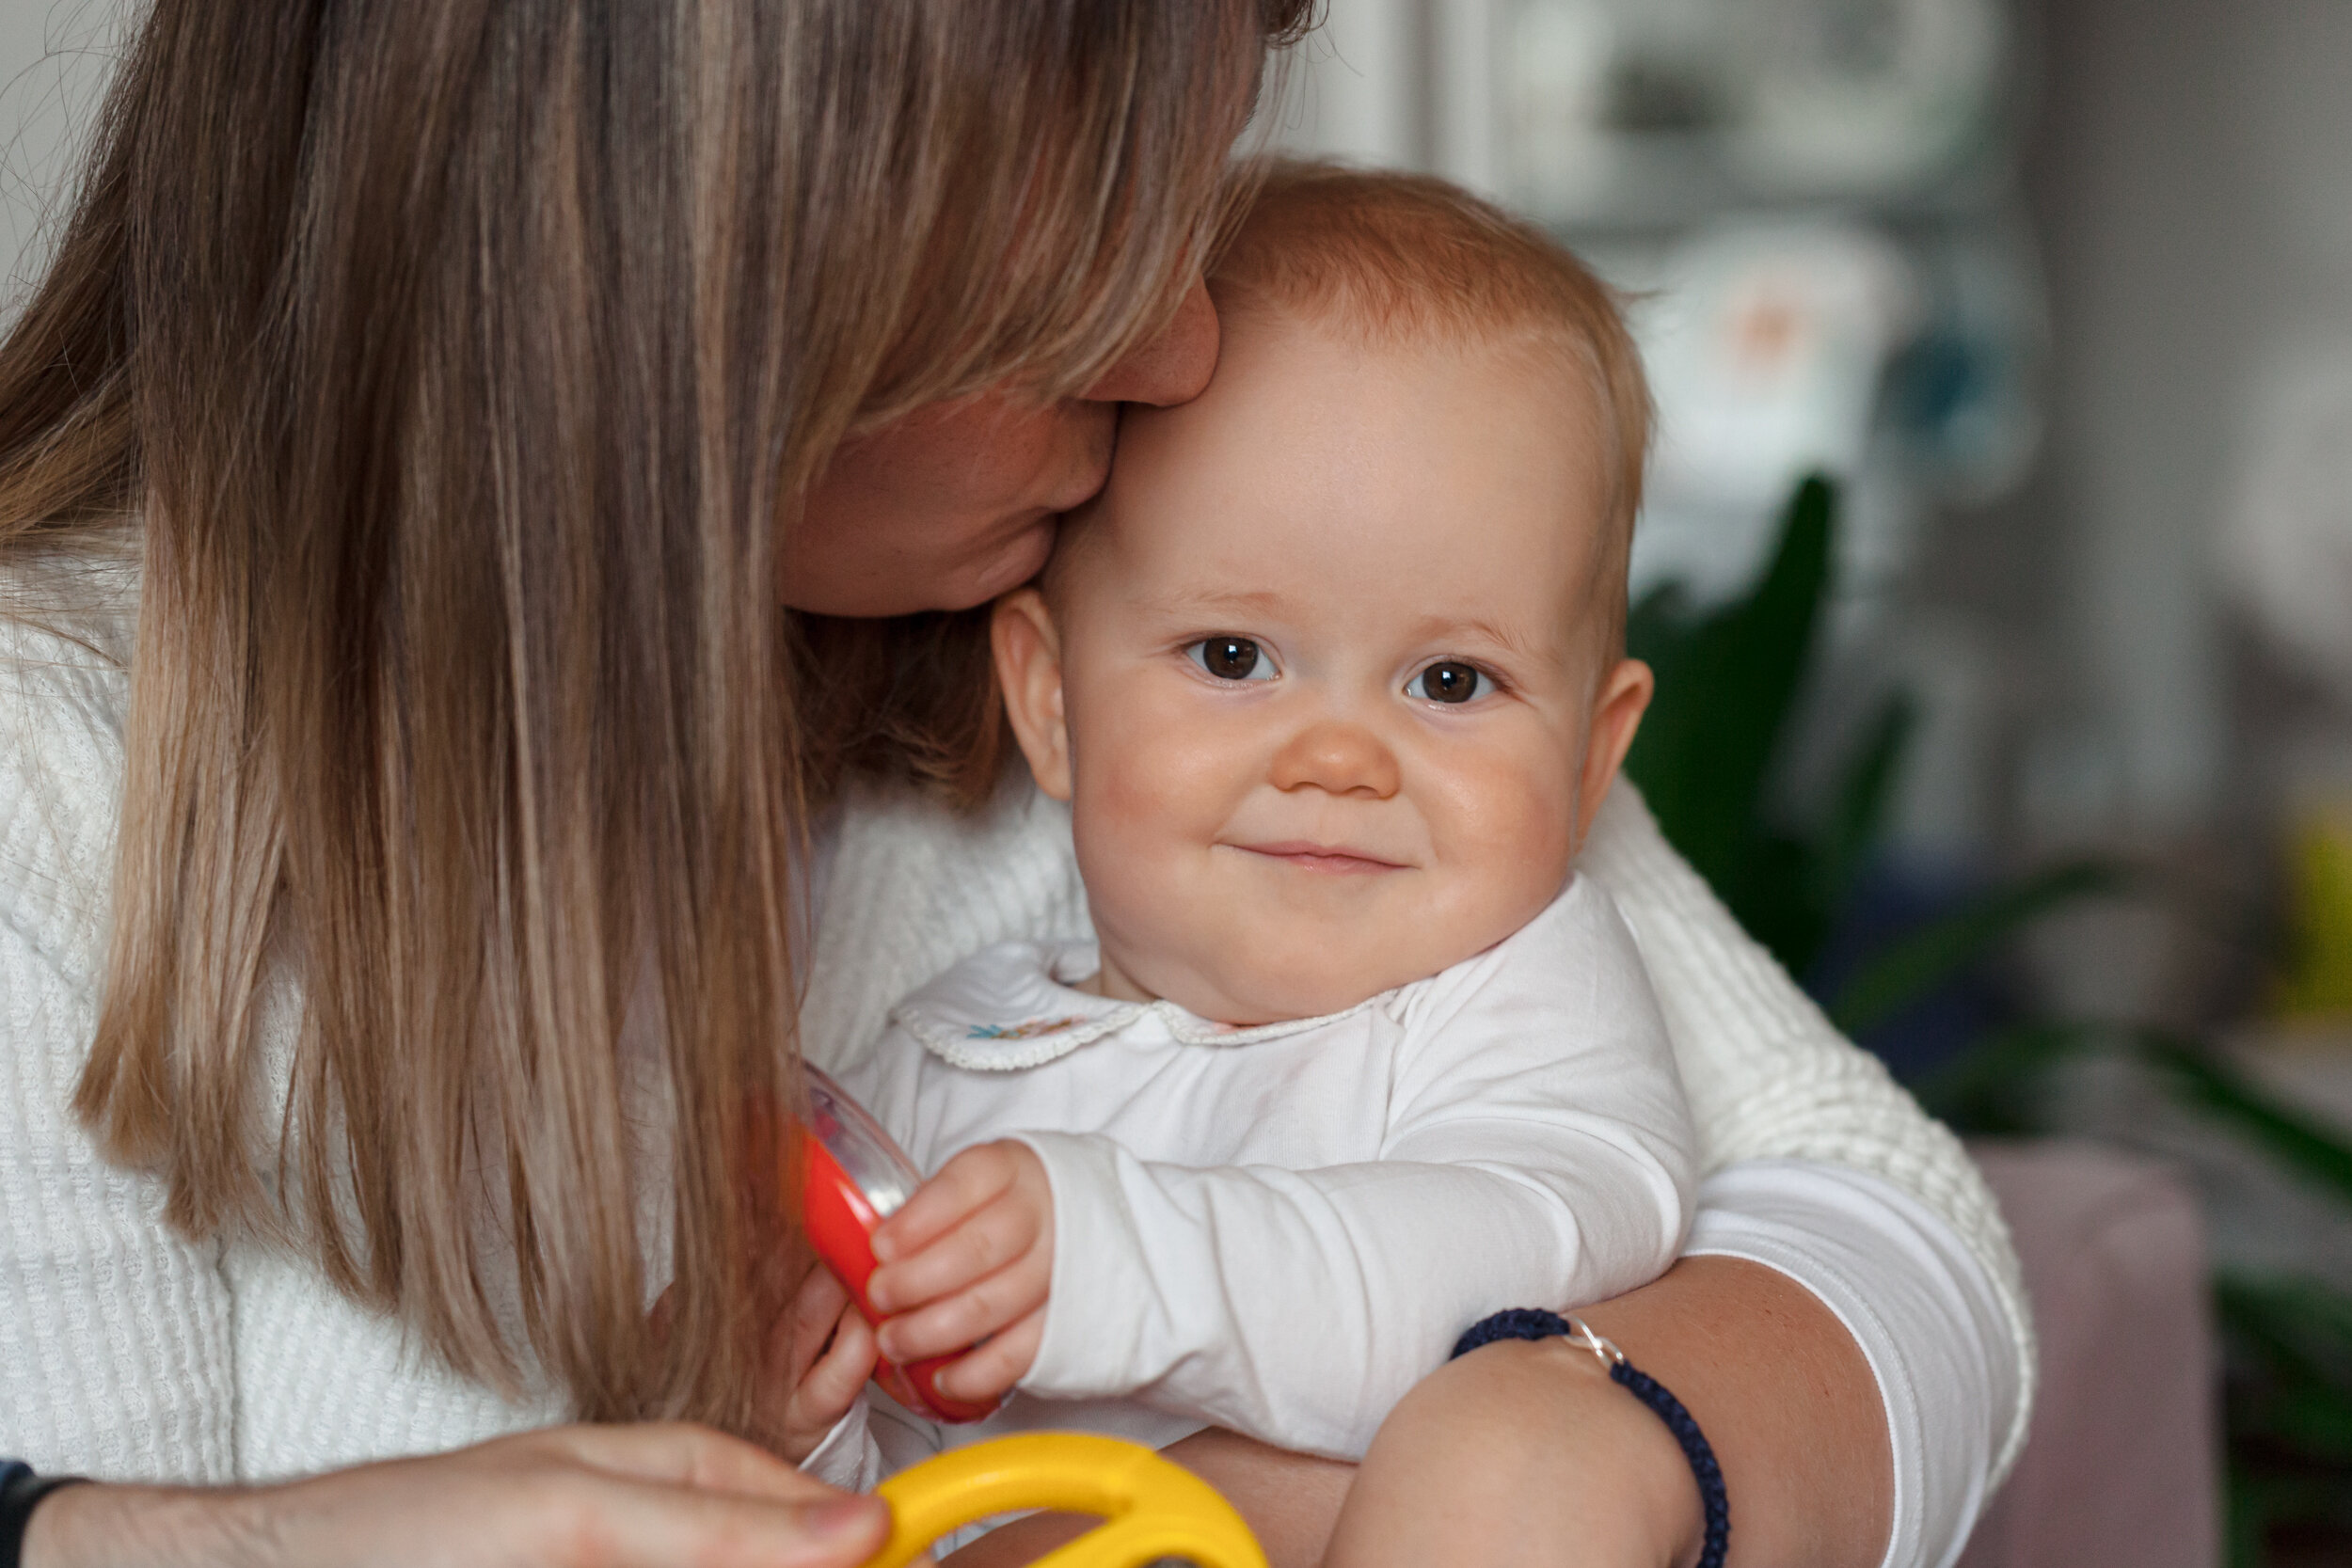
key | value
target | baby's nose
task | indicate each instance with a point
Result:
(1339, 758)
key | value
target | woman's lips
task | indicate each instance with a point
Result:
(1323, 857)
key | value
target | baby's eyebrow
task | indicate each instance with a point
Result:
(1512, 639)
(1254, 603)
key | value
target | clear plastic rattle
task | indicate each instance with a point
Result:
(852, 1178)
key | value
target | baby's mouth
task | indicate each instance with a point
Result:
(1332, 860)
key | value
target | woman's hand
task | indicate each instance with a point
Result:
(580, 1496)
(970, 1258)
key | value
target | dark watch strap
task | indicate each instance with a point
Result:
(1533, 1322)
(20, 1492)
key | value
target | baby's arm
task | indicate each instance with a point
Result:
(1538, 1153)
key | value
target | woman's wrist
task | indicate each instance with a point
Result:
(126, 1526)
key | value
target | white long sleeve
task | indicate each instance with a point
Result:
(848, 1458)
(1923, 1310)
(1280, 1229)
(127, 1351)
(115, 1356)
(1771, 1078)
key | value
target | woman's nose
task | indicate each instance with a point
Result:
(1173, 367)
(1339, 759)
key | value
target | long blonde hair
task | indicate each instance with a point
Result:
(458, 361)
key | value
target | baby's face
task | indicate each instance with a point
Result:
(1322, 676)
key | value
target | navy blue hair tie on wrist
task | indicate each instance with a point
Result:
(1533, 1323)
(20, 1490)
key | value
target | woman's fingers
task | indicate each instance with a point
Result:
(990, 1369)
(819, 1301)
(629, 1524)
(640, 1496)
(699, 1497)
(578, 1498)
(672, 1454)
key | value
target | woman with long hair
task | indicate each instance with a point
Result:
(492, 494)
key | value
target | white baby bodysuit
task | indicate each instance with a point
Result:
(1280, 1229)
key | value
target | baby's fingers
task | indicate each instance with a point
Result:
(973, 1178)
(986, 1306)
(834, 1383)
(975, 1247)
(992, 1368)
(817, 1305)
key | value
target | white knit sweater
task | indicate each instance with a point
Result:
(128, 1352)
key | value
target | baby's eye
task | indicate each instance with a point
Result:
(1450, 682)
(1231, 659)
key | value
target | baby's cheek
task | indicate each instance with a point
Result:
(1146, 793)
(1145, 784)
(1512, 824)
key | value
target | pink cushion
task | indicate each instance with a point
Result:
(2122, 1463)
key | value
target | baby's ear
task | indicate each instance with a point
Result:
(1618, 709)
(1027, 647)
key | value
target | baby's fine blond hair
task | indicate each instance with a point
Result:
(1405, 258)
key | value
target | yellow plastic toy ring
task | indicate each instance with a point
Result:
(1150, 1508)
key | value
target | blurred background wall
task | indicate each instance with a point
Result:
(2191, 169)
(55, 57)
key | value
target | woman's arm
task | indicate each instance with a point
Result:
(1526, 1452)
(643, 1497)
(1860, 1267)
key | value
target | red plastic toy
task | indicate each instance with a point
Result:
(852, 1178)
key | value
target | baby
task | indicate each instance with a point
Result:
(1331, 677)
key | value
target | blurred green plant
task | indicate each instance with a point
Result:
(1729, 683)
(1709, 761)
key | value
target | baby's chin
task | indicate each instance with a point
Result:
(1244, 992)
(1309, 945)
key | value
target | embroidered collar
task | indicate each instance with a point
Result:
(1012, 1007)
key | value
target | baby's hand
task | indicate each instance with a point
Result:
(970, 1258)
(826, 1349)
